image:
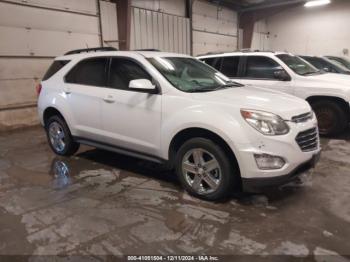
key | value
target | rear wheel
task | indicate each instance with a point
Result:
(332, 119)
(59, 137)
(205, 170)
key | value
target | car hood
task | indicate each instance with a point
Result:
(331, 78)
(286, 106)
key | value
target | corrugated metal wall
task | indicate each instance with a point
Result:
(32, 33)
(166, 32)
(214, 28)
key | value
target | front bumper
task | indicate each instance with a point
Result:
(257, 184)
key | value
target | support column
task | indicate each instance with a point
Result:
(247, 20)
(124, 22)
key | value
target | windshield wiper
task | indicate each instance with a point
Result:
(214, 88)
(198, 90)
(228, 85)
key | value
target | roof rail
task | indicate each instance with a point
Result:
(148, 49)
(87, 50)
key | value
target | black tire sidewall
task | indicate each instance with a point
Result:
(71, 146)
(339, 117)
(228, 171)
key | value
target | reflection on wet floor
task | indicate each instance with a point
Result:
(99, 202)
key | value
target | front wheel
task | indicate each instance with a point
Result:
(331, 118)
(205, 170)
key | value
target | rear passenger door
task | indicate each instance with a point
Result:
(260, 71)
(131, 118)
(84, 93)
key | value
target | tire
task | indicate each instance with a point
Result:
(332, 119)
(65, 145)
(225, 177)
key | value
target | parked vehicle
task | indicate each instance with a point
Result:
(341, 60)
(328, 94)
(323, 63)
(170, 108)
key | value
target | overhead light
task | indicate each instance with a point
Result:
(317, 3)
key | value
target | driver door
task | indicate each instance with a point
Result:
(130, 118)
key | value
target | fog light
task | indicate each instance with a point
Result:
(265, 161)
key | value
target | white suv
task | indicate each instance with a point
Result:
(171, 108)
(327, 93)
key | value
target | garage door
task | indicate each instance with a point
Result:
(166, 32)
(32, 33)
(214, 28)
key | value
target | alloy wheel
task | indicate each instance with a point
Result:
(202, 171)
(57, 136)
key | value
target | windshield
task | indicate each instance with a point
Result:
(191, 75)
(298, 65)
(340, 60)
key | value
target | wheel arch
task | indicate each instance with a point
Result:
(51, 111)
(340, 101)
(194, 132)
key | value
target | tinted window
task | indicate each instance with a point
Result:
(123, 71)
(89, 72)
(229, 65)
(261, 67)
(54, 68)
(209, 61)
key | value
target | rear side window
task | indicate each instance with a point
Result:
(90, 72)
(229, 66)
(260, 67)
(54, 68)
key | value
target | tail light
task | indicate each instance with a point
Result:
(38, 89)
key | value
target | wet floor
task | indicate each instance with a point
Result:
(99, 203)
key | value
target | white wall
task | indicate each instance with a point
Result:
(261, 38)
(214, 28)
(323, 30)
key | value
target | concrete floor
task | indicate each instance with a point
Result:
(98, 203)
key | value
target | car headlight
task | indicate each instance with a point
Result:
(266, 123)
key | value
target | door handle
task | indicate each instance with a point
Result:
(109, 99)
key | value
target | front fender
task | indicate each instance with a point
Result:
(219, 122)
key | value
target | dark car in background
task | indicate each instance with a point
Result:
(340, 60)
(325, 64)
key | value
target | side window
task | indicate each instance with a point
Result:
(210, 61)
(89, 72)
(123, 71)
(54, 68)
(229, 66)
(261, 67)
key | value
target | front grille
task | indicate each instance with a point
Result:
(308, 140)
(303, 117)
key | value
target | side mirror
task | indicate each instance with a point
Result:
(142, 85)
(281, 75)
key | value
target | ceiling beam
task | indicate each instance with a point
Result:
(271, 5)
